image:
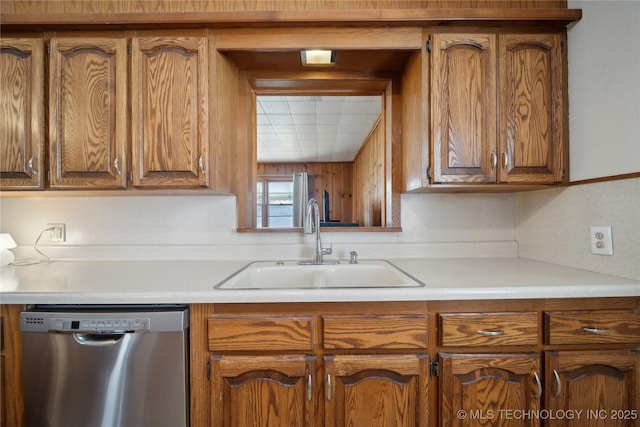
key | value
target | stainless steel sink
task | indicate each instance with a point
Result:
(291, 275)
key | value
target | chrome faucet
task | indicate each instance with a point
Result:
(313, 218)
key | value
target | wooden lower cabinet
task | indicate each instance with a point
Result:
(265, 391)
(376, 390)
(597, 388)
(489, 389)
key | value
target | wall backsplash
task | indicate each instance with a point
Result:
(553, 226)
(201, 226)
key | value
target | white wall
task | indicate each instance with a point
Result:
(604, 89)
(202, 227)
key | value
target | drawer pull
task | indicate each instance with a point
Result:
(329, 387)
(539, 384)
(597, 331)
(558, 384)
(309, 388)
(496, 333)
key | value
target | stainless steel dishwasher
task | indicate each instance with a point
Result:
(105, 366)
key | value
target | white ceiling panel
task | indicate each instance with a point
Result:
(292, 128)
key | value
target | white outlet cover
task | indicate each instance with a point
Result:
(601, 240)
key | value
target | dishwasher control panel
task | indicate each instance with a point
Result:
(36, 322)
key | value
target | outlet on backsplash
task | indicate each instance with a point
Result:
(601, 241)
(58, 232)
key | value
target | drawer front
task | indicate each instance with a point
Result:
(592, 327)
(267, 333)
(375, 332)
(488, 329)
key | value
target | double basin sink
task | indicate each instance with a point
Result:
(291, 275)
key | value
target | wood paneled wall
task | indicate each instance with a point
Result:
(335, 177)
(160, 6)
(369, 179)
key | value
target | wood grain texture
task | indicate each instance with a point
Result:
(532, 123)
(11, 390)
(594, 382)
(615, 326)
(370, 179)
(88, 108)
(260, 333)
(199, 385)
(169, 107)
(335, 177)
(466, 329)
(251, 391)
(22, 113)
(463, 107)
(488, 382)
(375, 332)
(124, 6)
(376, 391)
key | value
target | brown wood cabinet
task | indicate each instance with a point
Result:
(600, 388)
(498, 106)
(170, 108)
(307, 365)
(88, 113)
(11, 394)
(22, 113)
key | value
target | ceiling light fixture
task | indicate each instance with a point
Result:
(318, 58)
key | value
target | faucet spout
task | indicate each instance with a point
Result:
(312, 219)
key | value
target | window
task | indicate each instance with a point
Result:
(274, 203)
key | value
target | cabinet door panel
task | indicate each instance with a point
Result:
(604, 385)
(376, 391)
(263, 391)
(169, 108)
(464, 107)
(88, 113)
(480, 390)
(21, 113)
(532, 123)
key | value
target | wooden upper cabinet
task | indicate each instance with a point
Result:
(169, 90)
(532, 113)
(498, 108)
(22, 113)
(88, 113)
(463, 107)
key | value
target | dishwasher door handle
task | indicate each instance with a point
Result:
(97, 340)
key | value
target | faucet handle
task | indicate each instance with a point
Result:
(327, 251)
(353, 257)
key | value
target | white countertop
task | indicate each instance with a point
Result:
(147, 282)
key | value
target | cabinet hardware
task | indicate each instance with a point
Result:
(428, 172)
(539, 384)
(434, 368)
(201, 162)
(495, 333)
(429, 45)
(116, 165)
(329, 387)
(208, 369)
(558, 384)
(505, 160)
(309, 388)
(597, 331)
(494, 160)
(30, 165)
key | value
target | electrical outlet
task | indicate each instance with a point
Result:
(601, 241)
(58, 232)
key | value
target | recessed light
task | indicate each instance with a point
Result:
(318, 58)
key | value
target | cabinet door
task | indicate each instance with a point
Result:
(88, 113)
(21, 113)
(376, 391)
(11, 394)
(532, 123)
(263, 391)
(463, 107)
(603, 385)
(489, 390)
(169, 111)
